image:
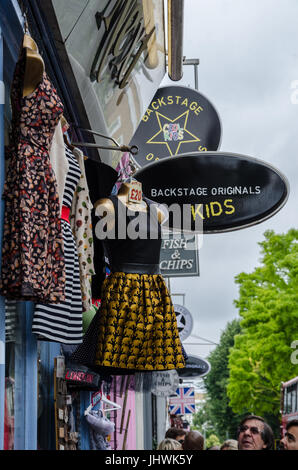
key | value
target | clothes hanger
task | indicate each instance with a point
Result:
(24, 11)
(64, 125)
(114, 405)
(28, 40)
(133, 150)
(65, 130)
(68, 144)
(87, 410)
(104, 399)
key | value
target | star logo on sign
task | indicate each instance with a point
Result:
(172, 144)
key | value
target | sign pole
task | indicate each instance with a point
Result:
(169, 285)
(195, 63)
(196, 76)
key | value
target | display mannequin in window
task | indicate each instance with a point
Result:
(34, 66)
(135, 329)
(105, 205)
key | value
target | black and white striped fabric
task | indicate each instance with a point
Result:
(11, 320)
(62, 322)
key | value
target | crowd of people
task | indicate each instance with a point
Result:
(253, 433)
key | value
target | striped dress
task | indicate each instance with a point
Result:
(63, 322)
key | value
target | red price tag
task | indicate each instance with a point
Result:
(135, 192)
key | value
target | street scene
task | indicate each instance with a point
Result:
(148, 230)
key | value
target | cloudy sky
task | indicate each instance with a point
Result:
(248, 55)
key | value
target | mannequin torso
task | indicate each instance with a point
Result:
(34, 66)
(106, 207)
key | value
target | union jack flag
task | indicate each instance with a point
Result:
(183, 402)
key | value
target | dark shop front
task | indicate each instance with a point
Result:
(77, 75)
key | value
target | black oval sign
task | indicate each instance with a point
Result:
(214, 191)
(195, 367)
(178, 120)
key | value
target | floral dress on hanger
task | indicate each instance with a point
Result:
(32, 254)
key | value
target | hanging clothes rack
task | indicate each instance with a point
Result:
(133, 150)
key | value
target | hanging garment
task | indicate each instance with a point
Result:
(32, 254)
(101, 179)
(135, 328)
(99, 429)
(88, 317)
(123, 169)
(59, 161)
(81, 224)
(63, 322)
(11, 320)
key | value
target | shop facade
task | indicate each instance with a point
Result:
(106, 60)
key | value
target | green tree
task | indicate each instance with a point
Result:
(268, 306)
(202, 420)
(223, 419)
(211, 441)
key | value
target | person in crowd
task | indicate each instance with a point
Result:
(255, 434)
(176, 433)
(193, 441)
(290, 440)
(169, 444)
(229, 444)
(213, 448)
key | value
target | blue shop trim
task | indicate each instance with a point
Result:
(25, 417)
(2, 309)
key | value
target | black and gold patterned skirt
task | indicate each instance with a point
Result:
(136, 326)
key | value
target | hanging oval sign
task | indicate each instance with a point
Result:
(184, 321)
(178, 120)
(195, 367)
(214, 191)
(164, 382)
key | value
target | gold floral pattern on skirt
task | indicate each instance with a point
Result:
(137, 325)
